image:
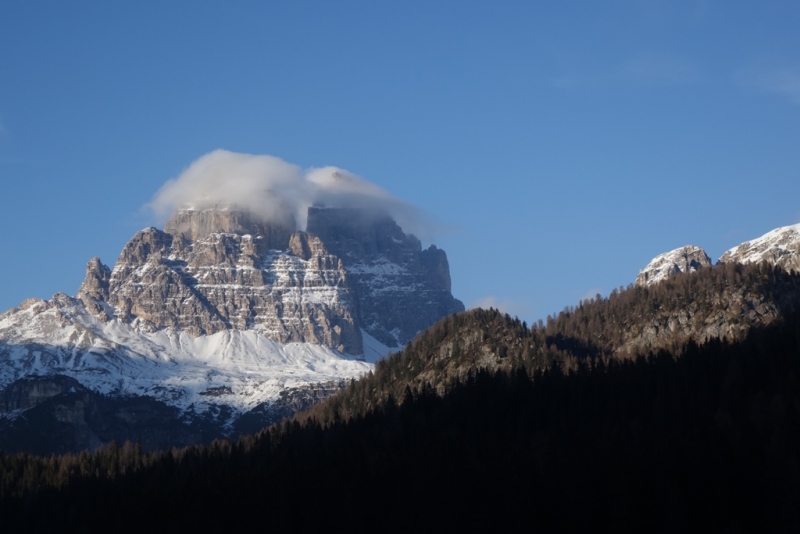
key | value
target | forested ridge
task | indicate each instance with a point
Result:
(482, 422)
(727, 299)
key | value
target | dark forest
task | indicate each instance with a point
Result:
(510, 427)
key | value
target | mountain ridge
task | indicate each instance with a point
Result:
(705, 437)
(722, 302)
(780, 246)
(139, 329)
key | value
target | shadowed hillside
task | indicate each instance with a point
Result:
(482, 423)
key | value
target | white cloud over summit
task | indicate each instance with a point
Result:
(268, 186)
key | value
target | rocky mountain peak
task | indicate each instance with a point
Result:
(779, 247)
(681, 260)
(94, 289)
(219, 269)
(224, 269)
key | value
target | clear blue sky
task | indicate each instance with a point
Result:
(564, 143)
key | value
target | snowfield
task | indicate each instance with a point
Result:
(770, 247)
(238, 369)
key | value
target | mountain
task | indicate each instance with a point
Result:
(723, 302)
(681, 260)
(779, 247)
(229, 322)
(202, 280)
(226, 314)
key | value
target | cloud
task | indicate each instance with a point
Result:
(276, 190)
(783, 81)
(511, 307)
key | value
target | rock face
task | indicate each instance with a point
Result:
(681, 260)
(192, 225)
(205, 275)
(779, 247)
(213, 270)
(64, 416)
(400, 288)
(26, 393)
(723, 301)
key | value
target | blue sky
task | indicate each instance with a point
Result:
(561, 144)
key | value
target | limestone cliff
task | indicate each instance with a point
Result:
(400, 288)
(219, 269)
(208, 275)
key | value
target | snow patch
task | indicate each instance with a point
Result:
(116, 358)
(374, 350)
(763, 248)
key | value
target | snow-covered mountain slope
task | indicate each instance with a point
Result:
(237, 369)
(779, 247)
(681, 260)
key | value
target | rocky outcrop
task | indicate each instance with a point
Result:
(194, 224)
(681, 260)
(26, 393)
(779, 247)
(94, 289)
(400, 288)
(204, 279)
(727, 304)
